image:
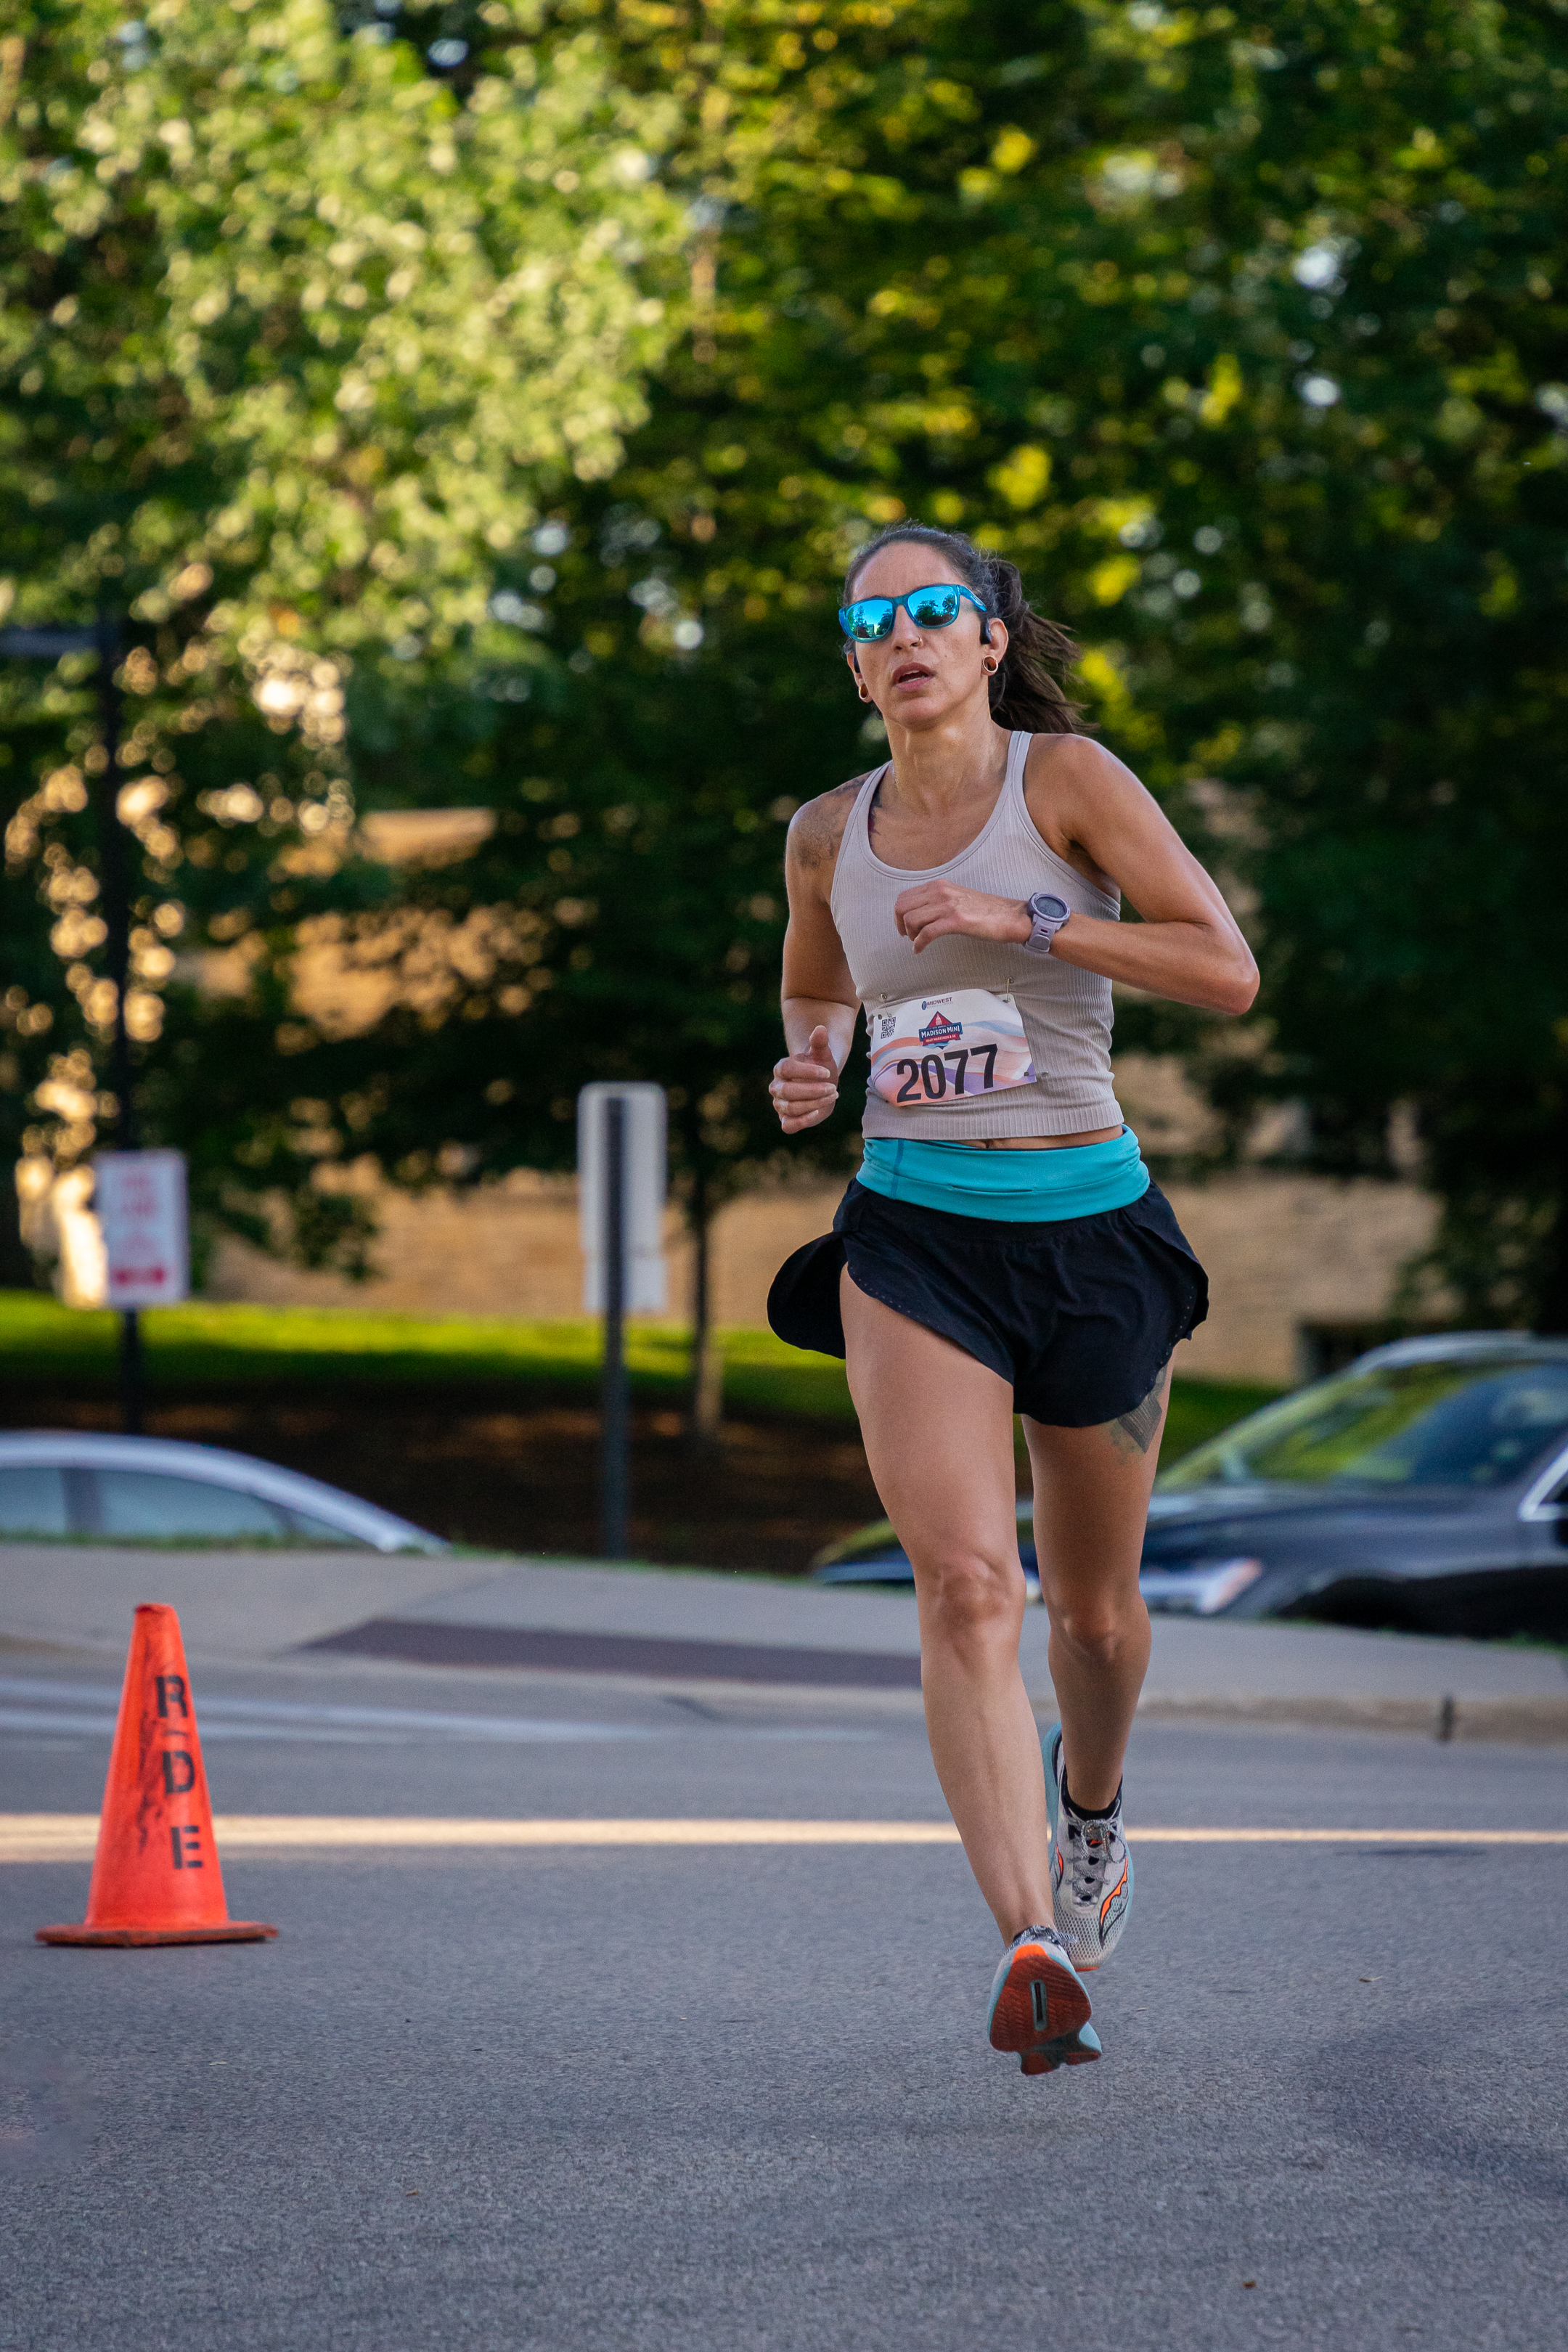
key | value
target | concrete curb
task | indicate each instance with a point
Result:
(708, 1639)
(1521, 1722)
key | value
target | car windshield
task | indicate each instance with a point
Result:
(1471, 1423)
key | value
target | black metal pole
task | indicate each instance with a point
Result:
(115, 877)
(613, 1427)
(115, 883)
(130, 1371)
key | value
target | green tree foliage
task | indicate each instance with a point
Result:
(1241, 335)
(1245, 341)
(293, 343)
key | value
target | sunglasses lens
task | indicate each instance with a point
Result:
(868, 620)
(934, 608)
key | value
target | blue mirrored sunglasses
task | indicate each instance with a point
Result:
(936, 607)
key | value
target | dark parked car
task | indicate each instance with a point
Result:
(1425, 1487)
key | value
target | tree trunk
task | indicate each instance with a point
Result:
(705, 1402)
(17, 1268)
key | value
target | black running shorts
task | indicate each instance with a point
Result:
(1080, 1316)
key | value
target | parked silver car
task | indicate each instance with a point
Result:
(156, 1490)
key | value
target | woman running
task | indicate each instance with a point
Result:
(1002, 1248)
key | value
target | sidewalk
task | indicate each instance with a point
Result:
(700, 1630)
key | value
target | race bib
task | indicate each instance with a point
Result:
(939, 1049)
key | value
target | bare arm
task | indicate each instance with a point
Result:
(1188, 947)
(819, 1000)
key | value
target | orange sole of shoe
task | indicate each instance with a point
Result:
(1040, 2002)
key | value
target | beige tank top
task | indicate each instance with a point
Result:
(1066, 1013)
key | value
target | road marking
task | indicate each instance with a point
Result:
(55, 1709)
(36, 1837)
(69, 1837)
(1348, 1837)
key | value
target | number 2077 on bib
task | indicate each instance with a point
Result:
(936, 1049)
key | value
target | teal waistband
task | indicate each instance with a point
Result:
(1082, 1180)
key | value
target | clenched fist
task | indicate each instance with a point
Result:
(805, 1086)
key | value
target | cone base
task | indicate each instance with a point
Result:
(228, 1931)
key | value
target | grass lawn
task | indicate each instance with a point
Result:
(44, 1346)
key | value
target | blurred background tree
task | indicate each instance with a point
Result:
(294, 341)
(1242, 343)
(1239, 337)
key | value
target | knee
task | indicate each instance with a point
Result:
(966, 1596)
(1099, 1628)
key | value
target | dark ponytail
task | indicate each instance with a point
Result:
(1025, 692)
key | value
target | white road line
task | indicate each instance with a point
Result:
(51, 1719)
(54, 1709)
(215, 1727)
(64, 1837)
(256, 1717)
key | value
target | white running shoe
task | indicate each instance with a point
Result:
(1037, 2006)
(1091, 1870)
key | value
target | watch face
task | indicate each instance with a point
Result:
(1048, 909)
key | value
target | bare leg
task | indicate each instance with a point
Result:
(1092, 1499)
(938, 1429)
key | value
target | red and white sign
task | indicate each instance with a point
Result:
(139, 1199)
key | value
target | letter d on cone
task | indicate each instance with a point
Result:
(156, 1877)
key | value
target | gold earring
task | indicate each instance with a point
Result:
(990, 669)
(864, 695)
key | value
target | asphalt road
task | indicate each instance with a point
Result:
(718, 2099)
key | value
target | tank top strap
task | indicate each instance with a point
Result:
(1012, 783)
(860, 819)
(859, 829)
(855, 848)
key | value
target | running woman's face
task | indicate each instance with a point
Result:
(922, 678)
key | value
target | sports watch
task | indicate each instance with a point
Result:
(1048, 914)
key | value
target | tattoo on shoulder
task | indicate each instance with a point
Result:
(1135, 1432)
(818, 828)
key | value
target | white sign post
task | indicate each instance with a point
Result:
(621, 1172)
(643, 1180)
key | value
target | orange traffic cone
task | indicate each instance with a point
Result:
(156, 1877)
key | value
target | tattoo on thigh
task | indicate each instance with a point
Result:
(1136, 1431)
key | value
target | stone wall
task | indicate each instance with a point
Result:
(1280, 1250)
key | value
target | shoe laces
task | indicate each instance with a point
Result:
(1090, 1847)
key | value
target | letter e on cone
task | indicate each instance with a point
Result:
(156, 1877)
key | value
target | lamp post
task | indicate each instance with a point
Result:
(104, 638)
